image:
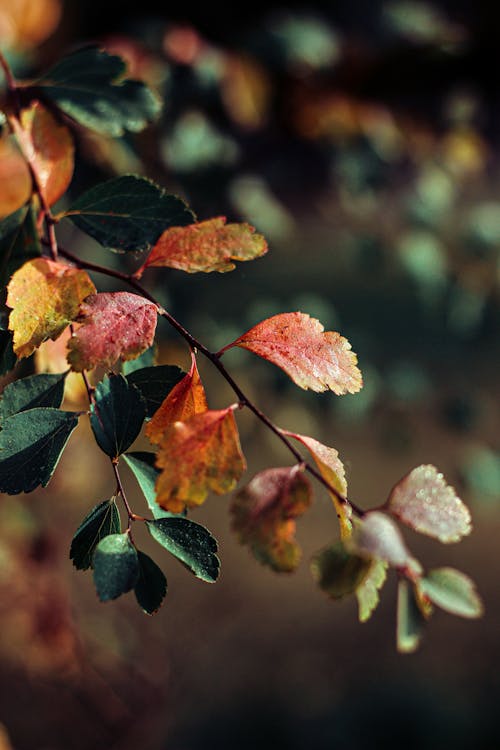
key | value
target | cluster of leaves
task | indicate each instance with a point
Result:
(111, 342)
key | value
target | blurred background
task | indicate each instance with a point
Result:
(361, 138)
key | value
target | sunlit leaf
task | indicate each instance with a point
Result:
(116, 566)
(155, 383)
(114, 325)
(102, 520)
(31, 392)
(116, 414)
(264, 513)
(367, 592)
(423, 501)
(410, 621)
(206, 246)
(453, 591)
(184, 400)
(128, 213)
(190, 543)
(337, 571)
(311, 357)
(151, 586)
(377, 536)
(31, 444)
(15, 177)
(45, 297)
(199, 456)
(142, 465)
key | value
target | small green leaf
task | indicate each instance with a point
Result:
(410, 621)
(33, 391)
(90, 86)
(190, 543)
(146, 359)
(116, 414)
(116, 566)
(367, 592)
(155, 383)
(337, 572)
(102, 521)
(151, 587)
(31, 444)
(128, 213)
(142, 465)
(453, 591)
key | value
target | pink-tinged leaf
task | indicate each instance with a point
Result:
(264, 514)
(423, 501)
(114, 325)
(184, 400)
(376, 536)
(45, 297)
(310, 356)
(199, 456)
(206, 246)
(331, 469)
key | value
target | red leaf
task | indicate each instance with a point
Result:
(312, 358)
(264, 514)
(114, 325)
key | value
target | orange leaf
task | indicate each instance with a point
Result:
(45, 297)
(184, 400)
(206, 246)
(48, 145)
(264, 514)
(114, 325)
(312, 358)
(200, 455)
(15, 179)
(331, 469)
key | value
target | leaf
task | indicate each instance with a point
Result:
(31, 392)
(114, 325)
(142, 465)
(377, 536)
(410, 621)
(48, 144)
(31, 444)
(116, 414)
(190, 543)
(337, 571)
(19, 241)
(331, 469)
(128, 213)
(367, 592)
(90, 86)
(8, 359)
(309, 356)
(45, 297)
(423, 501)
(15, 177)
(199, 456)
(155, 383)
(264, 512)
(116, 566)
(453, 591)
(146, 359)
(151, 586)
(102, 521)
(184, 400)
(206, 246)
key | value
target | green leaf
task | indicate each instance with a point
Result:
(453, 591)
(367, 593)
(31, 444)
(89, 86)
(155, 383)
(337, 572)
(102, 521)
(116, 414)
(116, 566)
(19, 241)
(8, 359)
(142, 465)
(128, 213)
(31, 392)
(151, 587)
(190, 543)
(410, 620)
(146, 359)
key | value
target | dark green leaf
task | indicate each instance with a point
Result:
(410, 620)
(31, 444)
(102, 521)
(143, 467)
(116, 566)
(19, 241)
(338, 572)
(89, 86)
(146, 359)
(116, 414)
(128, 213)
(7, 357)
(33, 391)
(151, 587)
(453, 591)
(190, 543)
(155, 383)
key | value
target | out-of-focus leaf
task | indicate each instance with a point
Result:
(151, 586)
(102, 520)
(7, 357)
(19, 241)
(337, 571)
(190, 543)
(376, 536)
(116, 414)
(264, 513)
(367, 592)
(453, 591)
(116, 566)
(15, 177)
(410, 621)
(155, 383)
(142, 465)
(33, 391)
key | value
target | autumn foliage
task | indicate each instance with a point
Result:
(50, 296)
